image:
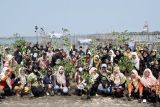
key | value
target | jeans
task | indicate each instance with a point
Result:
(63, 89)
(104, 90)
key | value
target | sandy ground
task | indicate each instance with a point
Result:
(70, 101)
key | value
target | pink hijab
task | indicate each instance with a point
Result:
(61, 78)
(148, 81)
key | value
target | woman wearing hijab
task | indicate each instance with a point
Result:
(135, 60)
(11, 60)
(158, 89)
(5, 81)
(149, 82)
(87, 59)
(7, 78)
(119, 81)
(153, 55)
(95, 62)
(21, 87)
(145, 60)
(80, 82)
(118, 56)
(61, 81)
(135, 87)
(111, 56)
(95, 79)
(128, 53)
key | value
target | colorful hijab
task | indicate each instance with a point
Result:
(117, 77)
(96, 61)
(136, 75)
(4, 72)
(5, 76)
(136, 60)
(61, 78)
(22, 76)
(148, 81)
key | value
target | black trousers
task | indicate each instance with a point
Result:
(149, 95)
(93, 90)
(79, 92)
(37, 91)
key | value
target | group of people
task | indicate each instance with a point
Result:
(30, 72)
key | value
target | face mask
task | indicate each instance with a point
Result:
(35, 55)
(35, 70)
(74, 53)
(80, 69)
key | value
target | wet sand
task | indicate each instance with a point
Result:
(69, 101)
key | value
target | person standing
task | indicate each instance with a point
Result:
(18, 55)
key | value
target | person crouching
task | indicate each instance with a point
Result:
(118, 79)
(135, 87)
(80, 82)
(149, 83)
(34, 80)
(48, 82)
(5, 82)
(95, 78)
(61, 82)
(21, 87)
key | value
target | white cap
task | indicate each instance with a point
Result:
(104, 65)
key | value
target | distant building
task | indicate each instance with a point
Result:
(145, 27)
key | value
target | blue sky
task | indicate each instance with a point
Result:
(79, 16)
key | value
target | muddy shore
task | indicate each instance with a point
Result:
(69, 101)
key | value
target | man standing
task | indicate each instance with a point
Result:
(81, 52)
(18, 55)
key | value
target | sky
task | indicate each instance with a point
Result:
(79, 16)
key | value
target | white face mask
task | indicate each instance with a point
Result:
(74, 53)
(80, 69)
(35, 55)
(35, 70)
